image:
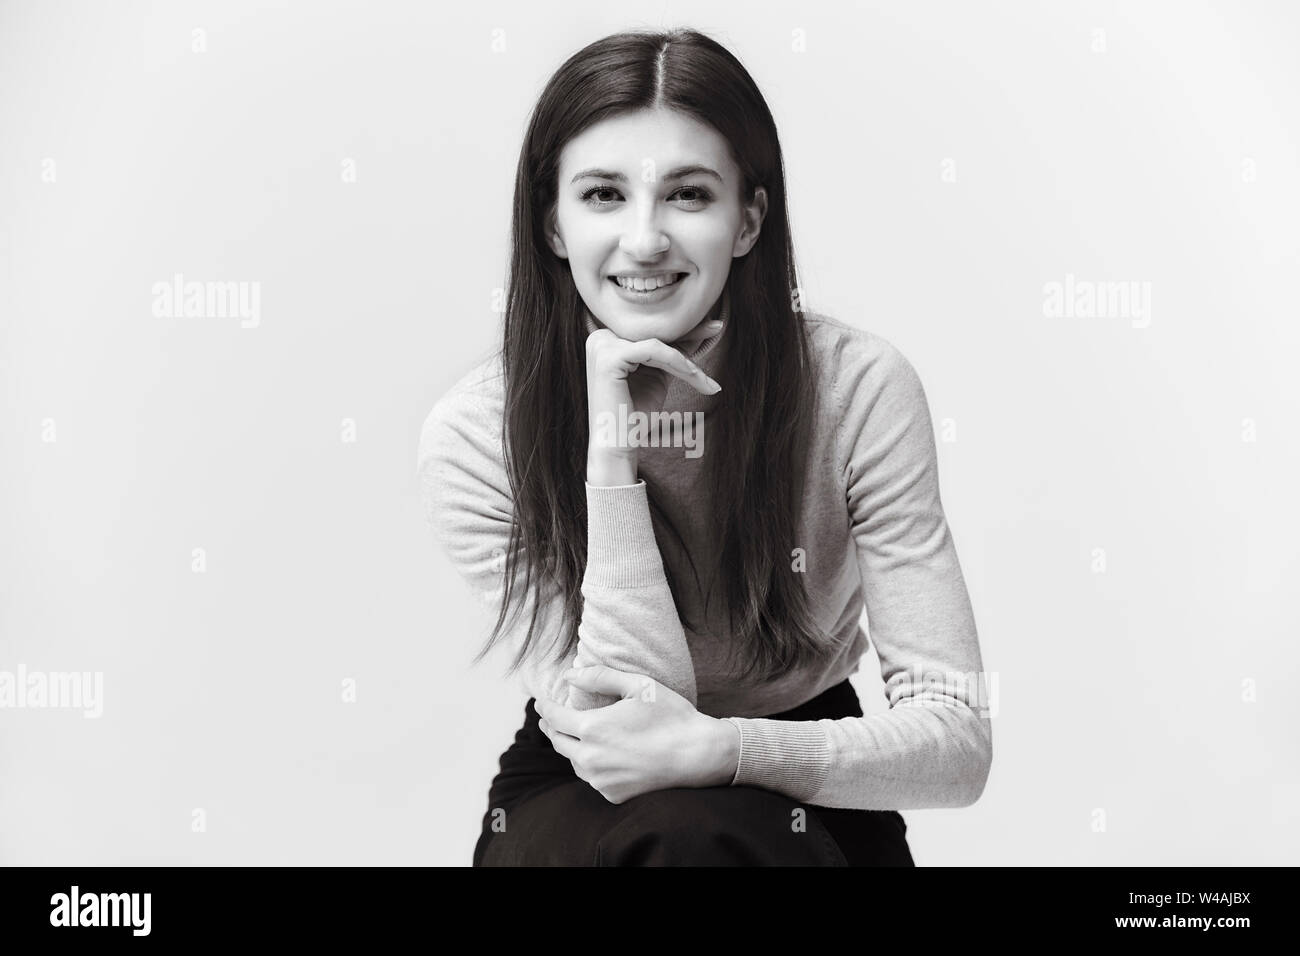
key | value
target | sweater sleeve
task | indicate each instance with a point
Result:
(933, 747)
(629, 621)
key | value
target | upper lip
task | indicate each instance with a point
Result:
(648, 275)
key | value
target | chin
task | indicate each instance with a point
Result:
(650, 327)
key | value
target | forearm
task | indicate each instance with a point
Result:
(629, 620)
(917, 756)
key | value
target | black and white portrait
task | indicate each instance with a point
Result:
(600, 435)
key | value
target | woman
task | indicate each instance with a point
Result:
(685, 613)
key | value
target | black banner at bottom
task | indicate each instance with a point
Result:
(133, 905)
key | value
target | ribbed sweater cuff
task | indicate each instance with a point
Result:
(788, 756)
(621, 547)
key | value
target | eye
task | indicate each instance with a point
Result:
(696, 195)
(699, 190)
(587, 196)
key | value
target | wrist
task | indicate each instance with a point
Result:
(720, 752)
(607, 469)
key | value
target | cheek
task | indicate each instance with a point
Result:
(585, 255)
(707, 243)
(585, 243)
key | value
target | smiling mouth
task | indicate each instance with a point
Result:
(647, 285)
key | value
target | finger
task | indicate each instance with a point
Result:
(563, 744)
(557, 694)
(562, 718)
(548, 728)
(605, 680)
(660, 355)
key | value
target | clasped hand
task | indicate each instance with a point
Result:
(650, 739)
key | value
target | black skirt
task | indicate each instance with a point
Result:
(540, 813)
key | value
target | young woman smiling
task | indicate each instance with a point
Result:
(686, 627)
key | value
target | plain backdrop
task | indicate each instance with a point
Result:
(1121, 490)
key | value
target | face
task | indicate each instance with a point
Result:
(651, 194)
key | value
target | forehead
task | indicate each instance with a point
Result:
(669, 138)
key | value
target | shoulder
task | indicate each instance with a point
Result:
(884, 437)
(469, 413)
(460, 464)
(862, 368)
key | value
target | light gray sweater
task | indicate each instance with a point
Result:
(872, 535)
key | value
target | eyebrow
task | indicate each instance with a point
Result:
(681, 172)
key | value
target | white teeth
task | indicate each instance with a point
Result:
(646, 285)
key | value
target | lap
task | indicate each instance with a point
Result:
(571, 824)
(542, 814)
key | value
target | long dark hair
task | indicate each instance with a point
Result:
(759, 429)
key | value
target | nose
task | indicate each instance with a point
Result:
(644, 239)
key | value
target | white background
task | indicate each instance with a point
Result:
(1162, 150)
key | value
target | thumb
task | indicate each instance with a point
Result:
(605, 680)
